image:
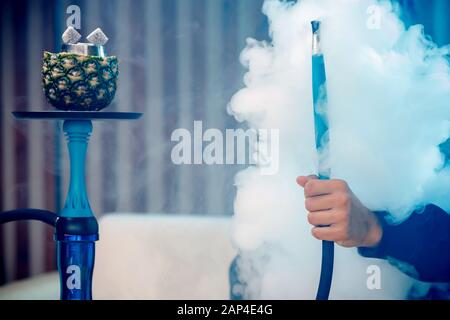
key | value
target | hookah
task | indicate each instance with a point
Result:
(80, 81)
(321, 130)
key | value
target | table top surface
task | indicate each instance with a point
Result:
(75, 115)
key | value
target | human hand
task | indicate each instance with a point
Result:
(338, 215)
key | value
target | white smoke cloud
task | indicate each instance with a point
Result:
(389, 109)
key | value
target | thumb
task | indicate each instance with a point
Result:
(303, 180)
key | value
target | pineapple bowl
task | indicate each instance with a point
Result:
(79, 82)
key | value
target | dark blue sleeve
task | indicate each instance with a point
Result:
(419, 246)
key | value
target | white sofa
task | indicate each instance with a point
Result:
(155, 256)
(150, 257)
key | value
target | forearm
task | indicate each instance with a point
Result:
(422, 242)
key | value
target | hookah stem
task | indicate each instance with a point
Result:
(77, 228)
(321, 128)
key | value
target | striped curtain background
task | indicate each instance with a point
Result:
(179, 62)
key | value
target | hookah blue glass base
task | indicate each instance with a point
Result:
(76, 228)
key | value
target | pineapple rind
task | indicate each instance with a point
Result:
(78, 82)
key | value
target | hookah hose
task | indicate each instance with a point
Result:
(326, 271)
(321, 129)
(45, 216)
